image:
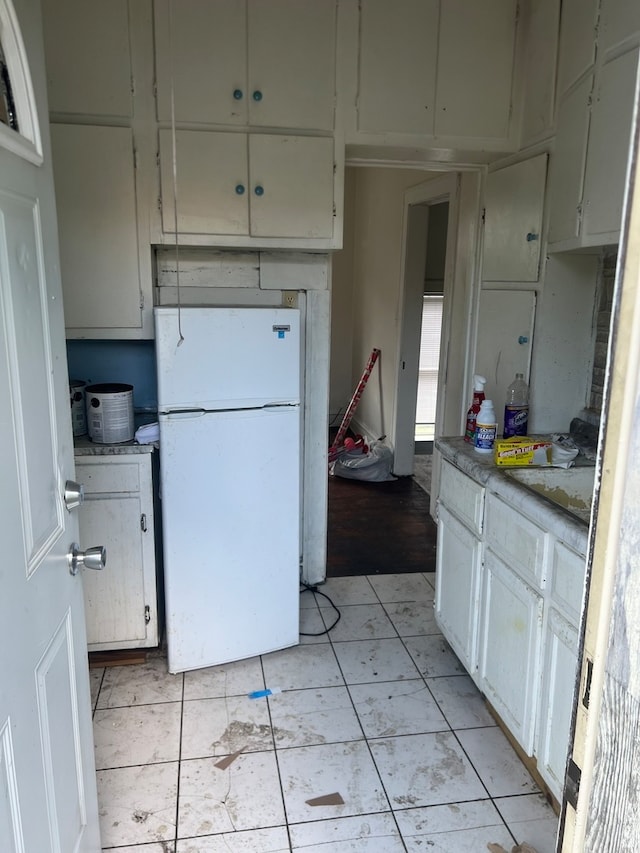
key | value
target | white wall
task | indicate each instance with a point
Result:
(373, 256)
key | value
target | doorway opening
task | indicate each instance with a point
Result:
(431, 327)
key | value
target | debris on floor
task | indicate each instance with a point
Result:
(229, 759)
(326, 800)
(519, 848)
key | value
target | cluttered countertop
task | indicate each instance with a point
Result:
(507, 482)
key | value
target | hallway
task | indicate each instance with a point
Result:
(376, 716)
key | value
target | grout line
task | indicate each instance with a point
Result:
(175, 835)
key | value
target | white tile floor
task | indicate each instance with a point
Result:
(379, 712)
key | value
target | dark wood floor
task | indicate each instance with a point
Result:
(378, 528)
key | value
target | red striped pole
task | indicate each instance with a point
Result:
(353, 405)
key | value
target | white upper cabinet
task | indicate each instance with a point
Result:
(566, 171)
(237, 185)
(397, 58)
(436, 69)
(87, 48)
(201, 54)
(266, 63)
(541, 23)
(608, 149)
(577, 41)
(514, 201)
(597, 82)
(291, 80)
(475, 68)
(619, 19)
(96, 201)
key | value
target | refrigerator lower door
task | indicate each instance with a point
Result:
(230, 489)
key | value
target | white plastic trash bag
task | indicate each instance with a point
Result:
(374, 466)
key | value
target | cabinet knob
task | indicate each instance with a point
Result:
(259, 190)
(523, 339)
(239, 189)
(531, 237)
(237, 94)
(257, 95)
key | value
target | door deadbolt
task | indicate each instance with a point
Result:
(73, 494)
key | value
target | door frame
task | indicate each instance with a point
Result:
(435, 191)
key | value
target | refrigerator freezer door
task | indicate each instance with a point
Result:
(230, 509)
(230, 358)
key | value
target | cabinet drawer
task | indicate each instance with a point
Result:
(462, 495)
(567, 580)
(112, 477)
(518, 541)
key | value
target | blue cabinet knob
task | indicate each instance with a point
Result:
(531, 237)
(523, 339)
(237, 94)
(257, 95)
(259, 190)
(239, 189)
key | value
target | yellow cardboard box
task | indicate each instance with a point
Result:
(522, 450)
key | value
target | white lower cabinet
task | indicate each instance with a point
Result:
(556, 701)
(458, 575)
(508, 597)
(121, 608)
(510, 644)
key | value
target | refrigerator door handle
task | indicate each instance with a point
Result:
(187, 414)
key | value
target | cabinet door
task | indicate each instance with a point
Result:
(291, 186)
(510, 643)
(458, 575)
(577, 49)
(475, 68)
(96, 200)
(291, 62)
(211, 182)
(608, 151)
(619, 19)
(397, 73)
(120, 600)
(514, 200)
(201, 52)
(542, 25)
(560, 660)
(566, 172)
(88, 56)
(504, 340)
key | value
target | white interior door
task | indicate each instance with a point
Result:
(47, 780)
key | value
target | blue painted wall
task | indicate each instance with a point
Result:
(133, 362)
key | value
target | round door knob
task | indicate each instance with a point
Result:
(92, 558)
(239, 189)
(259, 190)
(237, 94)
(257, 95)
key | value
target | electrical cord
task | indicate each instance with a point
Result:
(307, 588)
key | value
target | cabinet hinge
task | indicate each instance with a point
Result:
(147, 614)
(483, 215)
(141, 300)
(143, 522)
(572, 784)
(135, 159)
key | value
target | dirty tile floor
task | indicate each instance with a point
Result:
(378, 712)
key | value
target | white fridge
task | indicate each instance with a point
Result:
(229, 414)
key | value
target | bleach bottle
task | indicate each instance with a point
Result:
(485, 428)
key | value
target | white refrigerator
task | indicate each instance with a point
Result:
(229, 414)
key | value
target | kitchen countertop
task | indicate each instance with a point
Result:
(563, 524)
(83, 446)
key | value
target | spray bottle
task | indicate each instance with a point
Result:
(478, 396)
